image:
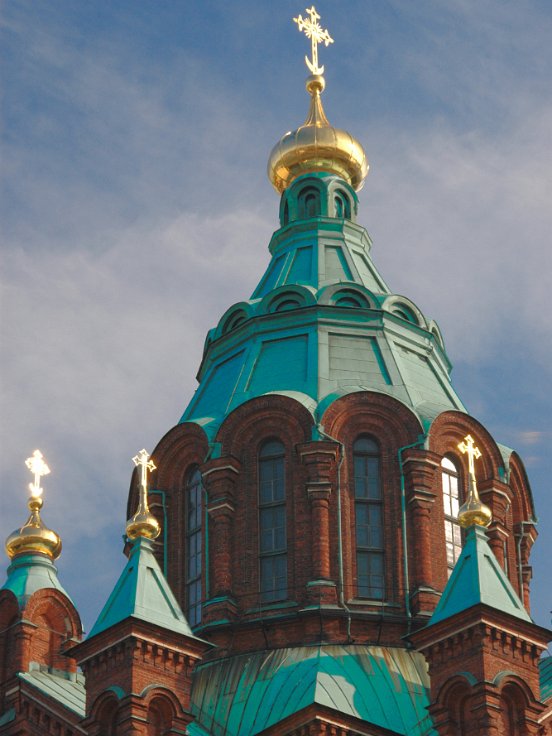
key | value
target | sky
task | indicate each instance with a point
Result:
(135, 210)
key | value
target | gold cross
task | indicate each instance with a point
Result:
(38, 468)
(467, 446)
(143, 459)
(313, 30)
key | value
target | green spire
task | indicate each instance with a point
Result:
(29, 573)
(142, 592)
(478, 578)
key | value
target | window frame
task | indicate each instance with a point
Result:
(272, 556)
(368, 502)
(456, 537)
(193, 537)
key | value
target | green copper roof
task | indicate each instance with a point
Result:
(545, 672)
(67, 689)
(142, 592)
(478, 578)
(29, 573)
(245, 694)
(323, 314)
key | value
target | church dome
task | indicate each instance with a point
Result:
(317, 146)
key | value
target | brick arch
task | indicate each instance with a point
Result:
(104, 712)
(450, 428)
(392, 425)
(522, 500)
(454, 698)
(373, 413)
(184, 445)
(272, 415)
(56, 621)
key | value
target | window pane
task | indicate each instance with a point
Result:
(193, 502)
(370, 573)
(272, 523)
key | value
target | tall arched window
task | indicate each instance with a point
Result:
(451, 504)
(194, 519)
(272, 522)
(368, 519)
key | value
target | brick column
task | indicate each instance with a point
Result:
(320, 461)
(220, 476)
(421, 474)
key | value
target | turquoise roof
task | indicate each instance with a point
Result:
(68, 689)
(545, 672)
(142, 592)
(245, 694)
(29, 573)
(478, 578)
(323, 314)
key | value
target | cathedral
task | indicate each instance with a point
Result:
(326, 544)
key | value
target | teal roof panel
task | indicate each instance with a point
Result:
(476, 578)
(545, 672)
(29, 573)
(142, 592)
(245, 694)
(67, 689)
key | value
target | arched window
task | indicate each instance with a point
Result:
(342, 207)
(272, 522)
(368, 519)
(194, 519)
(451, 504)
(309, 203)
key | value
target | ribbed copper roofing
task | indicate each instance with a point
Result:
(317, 146)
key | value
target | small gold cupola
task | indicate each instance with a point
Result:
(473, 511)
(143, 523)
(316, 145)
(34, 536)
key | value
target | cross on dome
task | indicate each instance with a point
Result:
(313, 30)
(38, 468)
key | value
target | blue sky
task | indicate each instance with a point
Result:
(136, 209)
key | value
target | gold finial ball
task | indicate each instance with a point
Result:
(315, 83)
(473, 512)
(143, 525)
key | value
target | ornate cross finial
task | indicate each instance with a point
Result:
(38, 468)
(467, 447)
(313, 30)
(143, 460)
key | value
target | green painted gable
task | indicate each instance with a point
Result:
(478, 578)
(245, 694)
(143, 593)
(29, 573)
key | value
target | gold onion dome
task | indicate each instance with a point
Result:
(317, 146)
(143, 523)
(34, 537)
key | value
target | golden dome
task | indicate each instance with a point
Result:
(474, 511)
(34, 536)
(143, 523)
(317, 146)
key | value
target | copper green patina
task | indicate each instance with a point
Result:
(322, 322)
(142, 592)
(246, 694)
(29, 573)
(478, 578)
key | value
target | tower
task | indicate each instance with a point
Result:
(38, 623)
(309, 495)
